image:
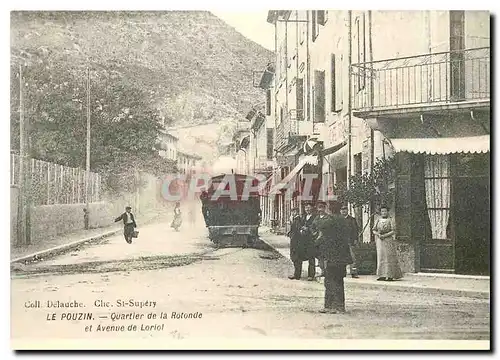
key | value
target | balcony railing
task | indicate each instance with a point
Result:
(440, 78)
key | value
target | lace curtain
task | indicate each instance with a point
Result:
(437, 193)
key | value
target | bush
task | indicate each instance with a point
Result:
(375, 187)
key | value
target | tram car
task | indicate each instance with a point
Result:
(232, 221)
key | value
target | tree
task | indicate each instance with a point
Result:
(124, 124)
(375, 187)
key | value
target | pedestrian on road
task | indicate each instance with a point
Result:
(384, 230)
(204, 197)
(321, 217)
(333, 247)
(129, 224)
(353, 234)
(301, 247)
(177, 222)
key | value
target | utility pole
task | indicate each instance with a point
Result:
(87, 170)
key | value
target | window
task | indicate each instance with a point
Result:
(315, 27)
(322, 16)
(283, 61)
(302, 33)
(366, 156)
(457, 45)
(300, 99)
(361, 53)
(270, 142)
(358, 164)
(268, 102)
(333, 70)
(438, 194)
(319, 96)
(318, 17)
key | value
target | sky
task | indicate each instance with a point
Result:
(251, 24)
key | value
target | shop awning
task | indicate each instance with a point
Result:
(338, 159)
(443, 146)
(335, 148)
(307, 160)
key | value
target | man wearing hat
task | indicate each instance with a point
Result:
(302, 243)
(321, 217)
(333, 248)
(352, 227)
(128, 224)
(298, 246)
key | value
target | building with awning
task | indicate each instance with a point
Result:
(438, 129)
(443, 146)
(343, 80)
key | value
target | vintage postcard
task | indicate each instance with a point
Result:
(276, 179)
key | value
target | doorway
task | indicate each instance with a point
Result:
(471, 212)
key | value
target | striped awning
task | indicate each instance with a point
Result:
(443, 146)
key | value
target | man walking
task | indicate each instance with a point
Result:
(333, 247)
(128, 224)
(301, 248)
(352, 227)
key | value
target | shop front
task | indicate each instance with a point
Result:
(443, 204)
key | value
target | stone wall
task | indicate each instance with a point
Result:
(48, 221)
(51, 220)
(14, 200)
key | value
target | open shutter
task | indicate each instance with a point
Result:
(319, 96)
(322, 16)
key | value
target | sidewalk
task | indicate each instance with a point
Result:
(471, 286)
(70, 240)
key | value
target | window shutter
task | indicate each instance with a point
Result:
(270, 143)
(319, 96)
(339, 84)
(268, 102)
(300, 99)
(314, 32)
(403, 197)
(333, 71)
(322, 16)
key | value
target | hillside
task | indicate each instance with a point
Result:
(196, 68)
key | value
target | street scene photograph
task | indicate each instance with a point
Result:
(273, 179)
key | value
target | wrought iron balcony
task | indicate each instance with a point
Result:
(443, 78)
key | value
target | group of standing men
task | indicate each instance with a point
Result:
(330, 238)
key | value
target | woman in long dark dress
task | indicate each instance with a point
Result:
(384, 230)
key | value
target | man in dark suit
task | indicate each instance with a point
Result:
(353, 234)
(128, 224)
(321, 216)
(300, 246)
(303, 247)
(333, 247)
